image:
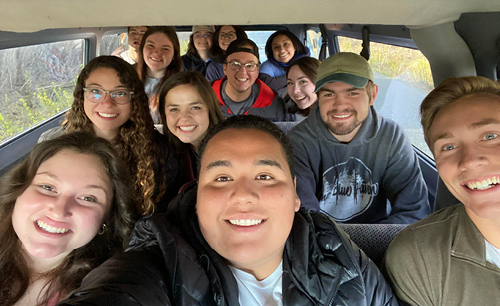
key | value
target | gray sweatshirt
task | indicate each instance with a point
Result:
(351, 182)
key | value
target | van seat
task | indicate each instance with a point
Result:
(373, 239)
(287, 125)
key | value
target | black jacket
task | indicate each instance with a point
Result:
(169, 263)
(192, 62)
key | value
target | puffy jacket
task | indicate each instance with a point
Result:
(170, 263)
(268, 104)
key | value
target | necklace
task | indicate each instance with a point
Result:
(37, 276)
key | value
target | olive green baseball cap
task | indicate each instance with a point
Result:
(345, 67)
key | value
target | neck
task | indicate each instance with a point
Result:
(108, 135)
(204, 55)
(262, 270)
(489, 227)
(348, 137)
(133, 54)
(39, 265)
(235, 95)
(155, 74)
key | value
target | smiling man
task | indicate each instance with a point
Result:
(241, 92)
(453, 256)
(350, 161)
(239, 237)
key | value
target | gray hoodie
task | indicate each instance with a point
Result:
(351, 182)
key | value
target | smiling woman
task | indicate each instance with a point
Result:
(64, 210)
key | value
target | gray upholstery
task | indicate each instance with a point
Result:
(373, 239)
(286, 126)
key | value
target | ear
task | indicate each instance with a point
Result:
(297, 200)
(374, 94)
(224, 68)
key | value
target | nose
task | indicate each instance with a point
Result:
(296, 89)
(244, 192)
(471, 158)
(108, 100)
(61, 208)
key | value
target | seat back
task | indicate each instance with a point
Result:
(286, 126)
(373, 239)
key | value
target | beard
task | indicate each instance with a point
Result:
(342, 128)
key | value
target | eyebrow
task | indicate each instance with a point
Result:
(484, 122)
(346, 90)
(267, 162)
(191, 103)
(218, 163)
(91, 186)
(99, 85)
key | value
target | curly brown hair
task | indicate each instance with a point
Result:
(68, 275)
(134, 142)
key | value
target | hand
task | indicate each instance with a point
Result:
(118, 50)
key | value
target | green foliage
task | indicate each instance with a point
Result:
(394, 62)
(33, 108)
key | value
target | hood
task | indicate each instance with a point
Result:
(295, 57)
(368, 131)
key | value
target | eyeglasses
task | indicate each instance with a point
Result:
(97, 95)
(236, 66)
(208, 35)
(230, 35)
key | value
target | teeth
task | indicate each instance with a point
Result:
(484, 184)
(245, 222)
(108, 115)
(50, 229)
(187, 128)
(341, 116)
(242, 80)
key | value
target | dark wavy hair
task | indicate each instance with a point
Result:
(14, 270)
(299, 47)
(174, 66)
(216, 53)
(207, 95)
(250, 122)
(134, 142)
(309, 66)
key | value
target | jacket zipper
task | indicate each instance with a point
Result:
(336, 287)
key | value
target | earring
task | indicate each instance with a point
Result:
(103, 229)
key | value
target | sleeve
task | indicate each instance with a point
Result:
(404, 184)
(276, 83)
(129, 279)
(213, 73)
(407, 272)
(305, 175)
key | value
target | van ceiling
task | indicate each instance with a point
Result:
(34, 15)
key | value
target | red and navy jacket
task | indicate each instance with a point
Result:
(268, 104)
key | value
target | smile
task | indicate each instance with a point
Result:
(300, 99)
(187, 128)
(106, 115)
(49, 229)
(155, 59)
(242, 80)
(245, 222)
(342, 116)
(484, 184)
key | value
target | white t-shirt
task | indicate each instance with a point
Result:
(492, 254)
(265, 292)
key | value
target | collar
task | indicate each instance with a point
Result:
(469, 242)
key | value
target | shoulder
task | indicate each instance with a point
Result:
(51, 134)
(427, 235)
(304, 130)
(268, 68)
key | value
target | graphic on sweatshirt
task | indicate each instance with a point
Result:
(348, 190)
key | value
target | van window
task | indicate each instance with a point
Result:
(404, 79)
(260, 39)
(36, 83)
(111, 41)
(314, 43)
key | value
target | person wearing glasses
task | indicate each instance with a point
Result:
(241, 92)
(197, 56)
(110, 101)
(223, 36)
